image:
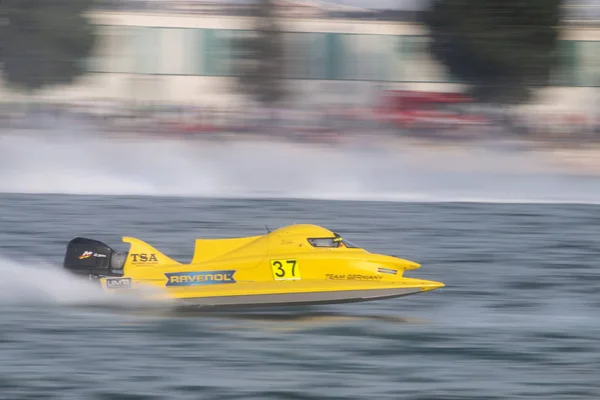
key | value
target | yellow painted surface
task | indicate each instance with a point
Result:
(280, 262)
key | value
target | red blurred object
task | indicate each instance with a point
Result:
(407, 108)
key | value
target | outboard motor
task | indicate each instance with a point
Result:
(93, 259)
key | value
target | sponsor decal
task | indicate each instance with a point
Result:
(143, 258)
(88, 254)
(387, 271)
(200, 278)
(353, 277)
(118, 283)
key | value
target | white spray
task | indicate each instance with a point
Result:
(93, 164)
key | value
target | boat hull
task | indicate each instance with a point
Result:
(295, 299)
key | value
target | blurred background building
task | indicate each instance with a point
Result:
(181, 53)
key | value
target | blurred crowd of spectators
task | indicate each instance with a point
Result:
(334, 124)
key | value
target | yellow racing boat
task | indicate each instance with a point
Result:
(293, 265)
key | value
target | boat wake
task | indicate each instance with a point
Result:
(36, 283)
(93, 165)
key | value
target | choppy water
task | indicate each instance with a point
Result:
(518, 318)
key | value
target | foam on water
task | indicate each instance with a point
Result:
(33, 281)
(37, 283)
(92, 164)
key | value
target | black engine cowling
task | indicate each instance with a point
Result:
(92, 258)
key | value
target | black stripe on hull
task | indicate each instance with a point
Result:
(293, 299)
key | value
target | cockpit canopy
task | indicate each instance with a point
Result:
(332, 242)
(316, 236)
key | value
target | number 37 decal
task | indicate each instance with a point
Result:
(285, 269)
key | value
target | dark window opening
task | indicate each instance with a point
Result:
(324, 242)
(332, 242)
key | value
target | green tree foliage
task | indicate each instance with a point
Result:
(44, 42)
(501, 48)
(261, 56)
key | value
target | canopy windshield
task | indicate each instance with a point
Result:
(332, 242)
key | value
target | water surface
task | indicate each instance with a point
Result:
(518, 318)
